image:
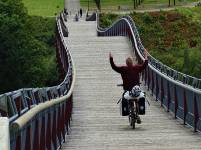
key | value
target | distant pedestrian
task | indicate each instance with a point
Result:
(65, 11)
(80, 12)
(76, 18)
(65, 14)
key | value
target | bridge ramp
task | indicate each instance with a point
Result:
(97, 124)
(72, 6)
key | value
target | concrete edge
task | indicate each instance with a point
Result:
(4, 134)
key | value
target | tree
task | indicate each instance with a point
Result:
(186, 61)
(174, 3)
(26, 48)
(134, 4)
(98, 4)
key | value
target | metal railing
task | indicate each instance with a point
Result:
(177, 92)
(40, 117)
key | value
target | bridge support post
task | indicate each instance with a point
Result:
(49, 131)
(162, 92)
(175, 102)
(54, 130)
(42, 135)
(59, 126)
(28, 143)
(196, 114)
(185, 111)
(36, 136)
(148, 82)
(18, 143)
(145, 77)
(63, 121)
(157, 88)
(152, 83)
(168, 97)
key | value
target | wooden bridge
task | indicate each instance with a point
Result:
(81, 113)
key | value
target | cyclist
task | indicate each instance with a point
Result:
(130, 73)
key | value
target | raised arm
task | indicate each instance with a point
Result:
(114, 67)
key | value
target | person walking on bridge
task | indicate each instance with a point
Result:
(81, 12)
(130, 74)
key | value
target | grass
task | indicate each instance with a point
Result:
(194, 13)
(43, 8)
(128, 4)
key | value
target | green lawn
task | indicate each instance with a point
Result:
(194, 13)
(128, 4)
(43, 7)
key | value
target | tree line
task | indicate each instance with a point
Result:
(135, 3)
(27, 53)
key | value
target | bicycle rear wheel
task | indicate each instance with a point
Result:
(133, 122)
(132, 117)
(129, 120)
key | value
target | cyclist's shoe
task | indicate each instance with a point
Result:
(138, 120)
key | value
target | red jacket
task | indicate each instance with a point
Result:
(130, 75)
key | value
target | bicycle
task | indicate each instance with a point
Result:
(136, 104)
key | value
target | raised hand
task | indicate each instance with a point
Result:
(110, 55)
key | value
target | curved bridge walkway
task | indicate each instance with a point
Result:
(97, 124)
(73, 6)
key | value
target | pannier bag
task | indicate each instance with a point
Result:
(124, 107)
(141, 104)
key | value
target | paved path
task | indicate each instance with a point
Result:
(73, 6)
(97, 124)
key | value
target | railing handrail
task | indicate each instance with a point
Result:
(67, 51)
(175, 76)
(20, 122)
